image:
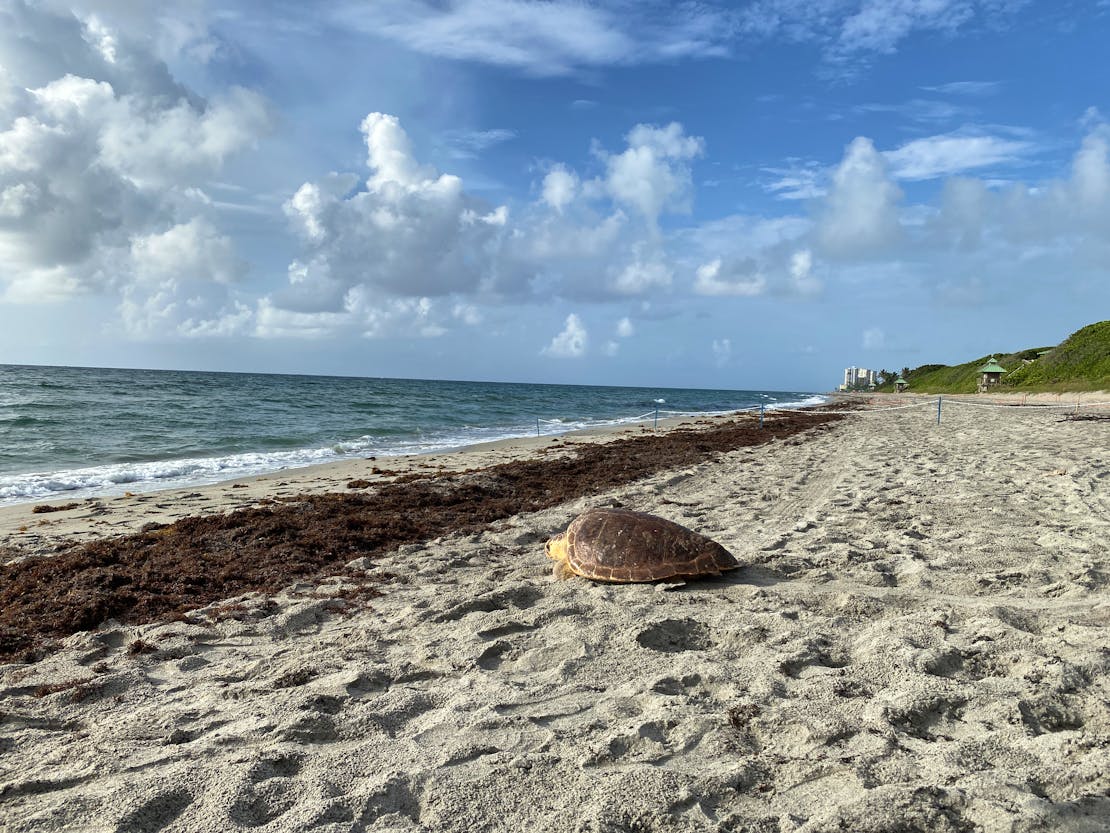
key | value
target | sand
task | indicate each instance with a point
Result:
(916, 642)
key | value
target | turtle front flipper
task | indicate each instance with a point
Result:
(561, 570)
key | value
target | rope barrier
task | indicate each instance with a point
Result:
(855, 412)
(1069, 405)
(764, 409)
(930, 403)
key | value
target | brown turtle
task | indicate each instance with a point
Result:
(624, 546)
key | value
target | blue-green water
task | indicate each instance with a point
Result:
(77, 432)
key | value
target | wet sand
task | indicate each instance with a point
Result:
(916, 641)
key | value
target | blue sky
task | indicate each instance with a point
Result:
(734, 195)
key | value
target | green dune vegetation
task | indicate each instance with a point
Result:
(1079, 363)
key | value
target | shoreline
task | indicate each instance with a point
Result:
(22, 528)
(71, 457)
(915, 640)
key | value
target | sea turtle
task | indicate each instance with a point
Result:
(624, 546)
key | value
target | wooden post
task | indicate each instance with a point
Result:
(762, 406)
(938, 409)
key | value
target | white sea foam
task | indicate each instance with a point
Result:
(808, 402)
(117, 478)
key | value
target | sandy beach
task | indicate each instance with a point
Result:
(916, 641)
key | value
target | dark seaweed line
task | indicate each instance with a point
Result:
(162, 573)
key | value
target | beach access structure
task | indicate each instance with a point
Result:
(990, 375)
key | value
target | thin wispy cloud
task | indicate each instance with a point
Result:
(549, 38)
(467, 144)
(969, 88)
(880, 25)
(921, 110)
(852, 32)
(946, 155)
(799, 180)
(930, 157)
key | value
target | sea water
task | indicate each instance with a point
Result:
(79, 432)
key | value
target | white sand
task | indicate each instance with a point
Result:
(917, 643)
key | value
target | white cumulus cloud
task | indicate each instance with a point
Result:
(860, 213)
(642, 275)
(408, 230)
(571, 342)
(597, 237)
(742, 278)
(559, 187)
(103, 155)
(1091, 171)
(802, 279)
(653, 173)
(179, 280)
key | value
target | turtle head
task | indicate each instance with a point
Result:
(556, 548)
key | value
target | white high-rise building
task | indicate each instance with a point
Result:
(854, 376)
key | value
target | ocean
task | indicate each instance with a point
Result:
(81, 432)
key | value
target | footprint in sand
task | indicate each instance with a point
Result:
(518, 597)
(672, 636)
(155, 814)
(259, 804)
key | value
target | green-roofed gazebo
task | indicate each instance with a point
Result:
(900, 384)
(990, 375)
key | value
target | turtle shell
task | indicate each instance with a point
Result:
(624, 546)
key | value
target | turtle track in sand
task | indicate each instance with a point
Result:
(165, 571)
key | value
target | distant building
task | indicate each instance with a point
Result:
(859, 377)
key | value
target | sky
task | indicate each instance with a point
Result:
(745, 195)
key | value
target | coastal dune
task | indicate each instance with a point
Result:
(916, 641)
